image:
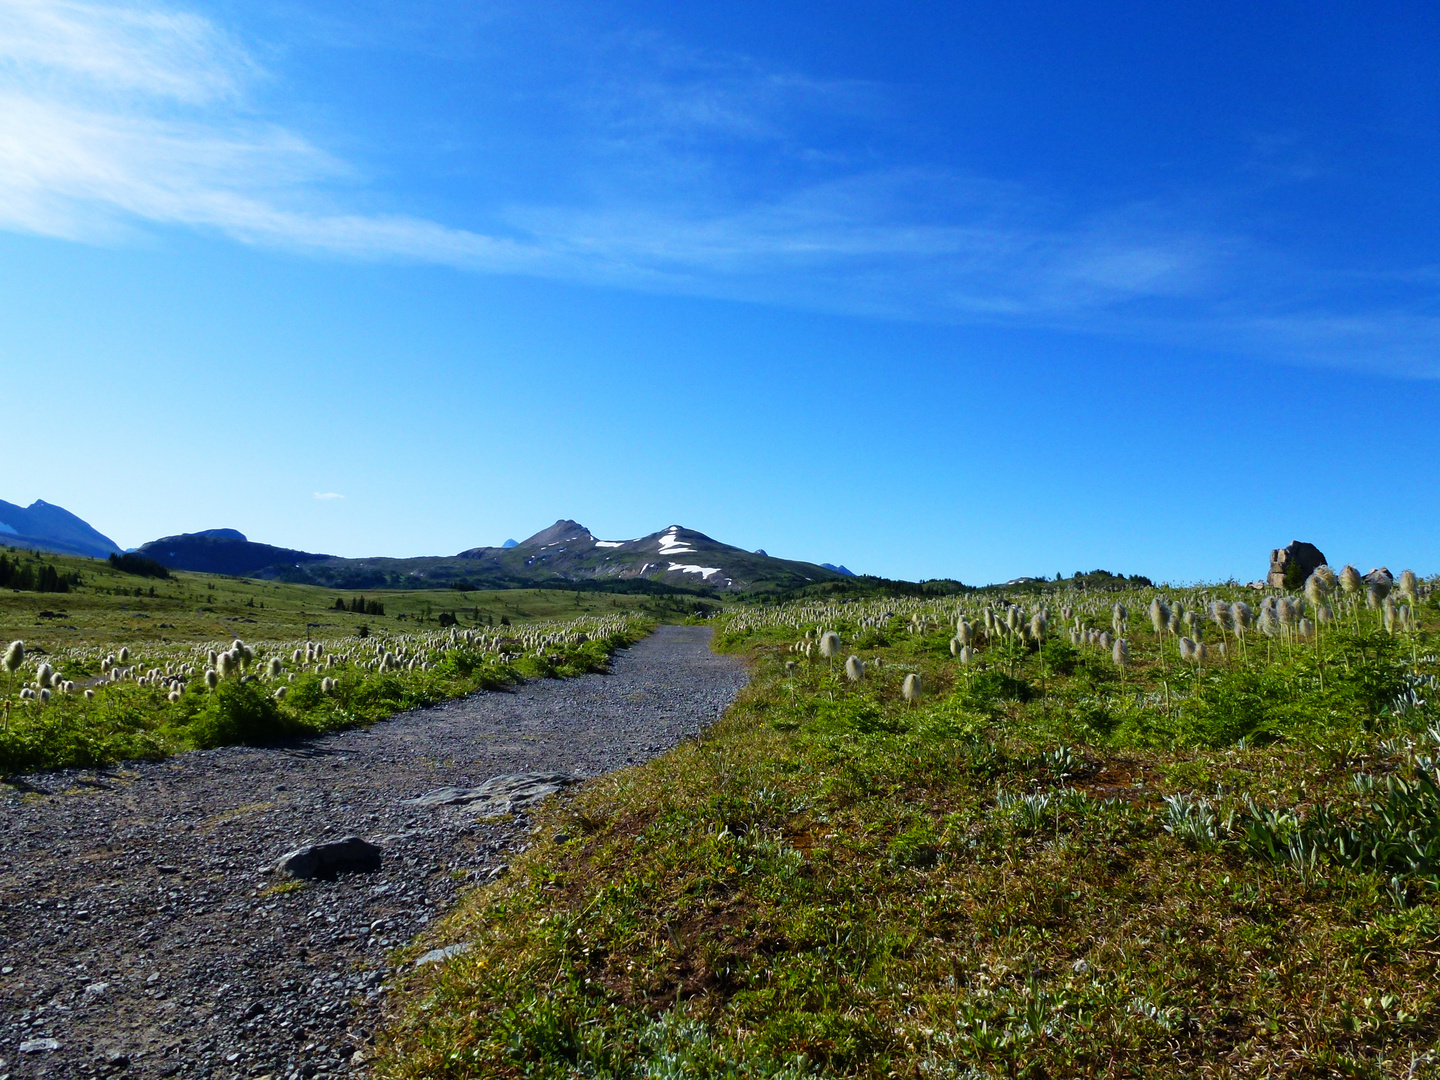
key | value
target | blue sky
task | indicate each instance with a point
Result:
(927, 289)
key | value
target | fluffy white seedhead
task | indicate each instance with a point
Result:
(1187, 650)
(1324, 613)
(124, 655)
(1159, 615)
(1373, 597)
(1120, 653)
(14, 656)
(1220, 614)
(829, 644)
(1119, 617)
(1306, 630)
(1409, 585)
(89, 695)
(965, 632)
(1325, 574)
(910, 689)
(1038, 626)
(1316, 590)
(43, 694)
(1287, 611)
(280, 692)
(854, 669)
(1350, 580)
(955, 646)
(1104, 640)
(44, 674)
(1241, 617)
(274, 668)
(966, 654)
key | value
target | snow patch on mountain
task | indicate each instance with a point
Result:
(670, 544)
(703, 571)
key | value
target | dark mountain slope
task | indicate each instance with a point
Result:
(44, 527)
(218, 552)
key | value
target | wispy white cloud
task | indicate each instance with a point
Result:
(147, 50)
(113, 118)
(328, 495)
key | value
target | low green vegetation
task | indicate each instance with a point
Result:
(1064, 858)
(103, 604)
(120, 664)
(82, 706)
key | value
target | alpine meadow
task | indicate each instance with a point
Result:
(530, 538)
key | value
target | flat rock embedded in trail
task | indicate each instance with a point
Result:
(499, 794)
(158, 881)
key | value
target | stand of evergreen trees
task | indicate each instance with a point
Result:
(360, 606)
(18, 574)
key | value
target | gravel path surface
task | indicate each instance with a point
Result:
(144, 932)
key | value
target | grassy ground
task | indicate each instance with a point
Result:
(106, 607)
(1049, 866)
(134, 652)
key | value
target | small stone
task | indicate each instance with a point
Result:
(561, 838)
(117, 1059)
(39, 1046)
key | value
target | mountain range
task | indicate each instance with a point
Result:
(565, 554)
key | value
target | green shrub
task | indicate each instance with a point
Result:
(241, 713)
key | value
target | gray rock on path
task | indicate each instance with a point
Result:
(354, 854)
(500, 794)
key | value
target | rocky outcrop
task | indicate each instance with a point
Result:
(1305, 557)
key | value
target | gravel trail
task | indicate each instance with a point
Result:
(144, 933)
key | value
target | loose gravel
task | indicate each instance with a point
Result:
(145, 932)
